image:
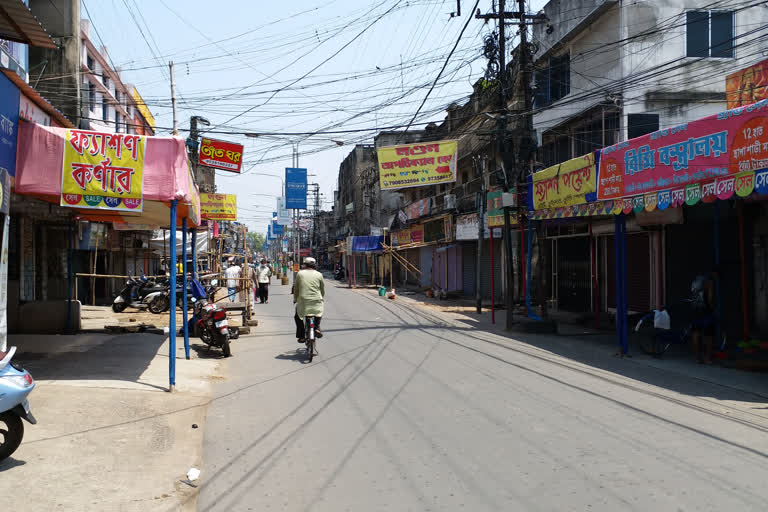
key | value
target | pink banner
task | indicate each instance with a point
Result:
(717, 146)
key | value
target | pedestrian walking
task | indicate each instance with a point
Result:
(263, 275)
(232, 273)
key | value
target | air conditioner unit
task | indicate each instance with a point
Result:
(449, 202)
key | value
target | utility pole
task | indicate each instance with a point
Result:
(173, 100)
(511, 176)
(194, 146)
(481, 200)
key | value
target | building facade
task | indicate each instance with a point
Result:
(610, 71)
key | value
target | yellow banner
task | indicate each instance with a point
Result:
(402, 237)
(416, 165)
(565, 184)
(103, 171)
(218, 206)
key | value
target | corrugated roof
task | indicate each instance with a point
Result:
(18, 24)
(33, 95)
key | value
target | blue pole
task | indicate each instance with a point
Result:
(185, 320)
(619, 300)
(69, 279)
(172, 297)
(528, 266)
(624, 295)
(716, 257)
(194, 254)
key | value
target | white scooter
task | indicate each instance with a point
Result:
(15, 384)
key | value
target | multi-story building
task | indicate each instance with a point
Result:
(64, 81)
(79, 78)
(607, 71)
(109, 104)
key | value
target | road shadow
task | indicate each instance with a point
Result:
(10, 463)
(676, 371)
(206, 351)
(88, 356)
(298, 355)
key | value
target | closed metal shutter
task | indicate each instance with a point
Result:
(469, 264)
(425, 265)
(573, 273)
(638, 272)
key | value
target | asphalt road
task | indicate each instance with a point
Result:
(400, 412)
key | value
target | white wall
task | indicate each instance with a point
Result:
(594, 65)
(680, 94)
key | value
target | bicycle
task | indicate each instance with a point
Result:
(309, 336)
(655, 341)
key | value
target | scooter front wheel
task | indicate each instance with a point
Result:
(11, 433)
(119, 307)
(159, 304)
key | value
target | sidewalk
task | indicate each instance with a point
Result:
(109, 436)
(676, 371)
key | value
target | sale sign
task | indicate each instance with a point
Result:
(218, 154)
(103, 171)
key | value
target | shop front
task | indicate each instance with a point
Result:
(108, 178)
(682, 202)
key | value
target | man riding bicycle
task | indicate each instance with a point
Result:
(308, 295)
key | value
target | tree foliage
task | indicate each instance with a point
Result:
(255, 241)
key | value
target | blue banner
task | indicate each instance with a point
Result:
(9, 124)
(295, 188)
(277, 229)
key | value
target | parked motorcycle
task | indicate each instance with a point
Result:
(135, 293)
(338, 274)
(15, 384)
(160, 300)
(211, 324)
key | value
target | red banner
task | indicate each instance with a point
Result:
(665, 162)
(218, 154)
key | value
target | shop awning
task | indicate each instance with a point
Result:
(18, 24)
(166, 177)
(367, 243)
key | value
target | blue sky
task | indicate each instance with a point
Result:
(275, 68)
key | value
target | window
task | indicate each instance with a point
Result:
(709, 34)
(105, 81)
(642, 124)
(104, 110)
(554, 81)
(92, 97)
(89, 62)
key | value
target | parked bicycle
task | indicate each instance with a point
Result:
(655, 340)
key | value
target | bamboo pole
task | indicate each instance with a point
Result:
(402, 260)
